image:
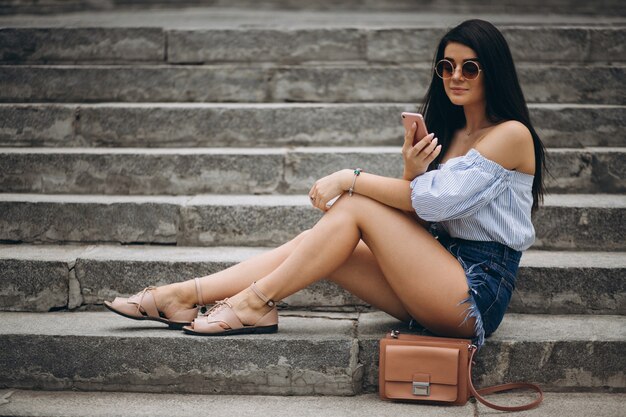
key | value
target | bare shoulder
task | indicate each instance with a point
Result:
(510, 144)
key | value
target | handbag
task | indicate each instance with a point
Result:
(435, 369)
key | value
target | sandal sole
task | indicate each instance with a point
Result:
(171, 325)
(243, 330)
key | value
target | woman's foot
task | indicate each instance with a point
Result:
(248, 311)
(171, 304)
(178, 296)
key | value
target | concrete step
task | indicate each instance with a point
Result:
(566, 221)
(47, 277)
(254, 171)
(410, 43)
(312, 354)
(270, 124)
(24, 403)
(349, 82)
(563, 7)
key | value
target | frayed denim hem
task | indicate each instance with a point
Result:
(472, 310)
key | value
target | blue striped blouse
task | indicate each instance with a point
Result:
(475, 198)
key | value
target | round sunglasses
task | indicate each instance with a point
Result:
(469, 69)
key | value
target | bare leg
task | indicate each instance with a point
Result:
(360, 275)
(224, 283)
(427, 279)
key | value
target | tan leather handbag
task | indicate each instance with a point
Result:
(435, 369)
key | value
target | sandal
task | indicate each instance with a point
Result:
(222, 312)
(142, 306)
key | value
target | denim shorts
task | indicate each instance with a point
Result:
(490, 269)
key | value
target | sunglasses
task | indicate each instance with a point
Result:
(469, 69)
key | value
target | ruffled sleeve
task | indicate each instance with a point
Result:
(459, 188)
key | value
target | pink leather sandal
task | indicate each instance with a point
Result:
(142, 306)
(222, 312)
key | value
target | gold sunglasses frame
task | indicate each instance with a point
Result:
(454, 69)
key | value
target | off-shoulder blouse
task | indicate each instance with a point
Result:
(475, 198)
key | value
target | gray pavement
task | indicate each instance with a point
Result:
(67, 404)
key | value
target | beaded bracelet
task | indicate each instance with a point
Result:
(357, 172)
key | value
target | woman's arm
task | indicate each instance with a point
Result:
(390, 191)
(393, 192)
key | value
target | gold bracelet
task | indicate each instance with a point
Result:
(357, 172)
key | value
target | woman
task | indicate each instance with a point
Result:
(451, 265)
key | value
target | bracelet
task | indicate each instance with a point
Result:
(357, 172)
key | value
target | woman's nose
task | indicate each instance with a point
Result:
(457, 72)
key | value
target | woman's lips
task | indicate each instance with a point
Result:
(458, 90)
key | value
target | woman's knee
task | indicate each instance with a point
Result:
(353, 203)
(301, 236)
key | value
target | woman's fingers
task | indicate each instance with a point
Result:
(431, 157)
(421, 145)
(428, 150)
(409, 135)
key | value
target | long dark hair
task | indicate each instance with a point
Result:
(505, 100)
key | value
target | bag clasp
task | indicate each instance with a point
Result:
(421, 388)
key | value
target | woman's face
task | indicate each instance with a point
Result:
(460, 90)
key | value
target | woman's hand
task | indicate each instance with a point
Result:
(329, 187)
(418, 157)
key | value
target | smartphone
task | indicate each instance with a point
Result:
(407, 121)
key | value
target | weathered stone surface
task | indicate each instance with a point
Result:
(53, 219)
(50, 45)
(607, 44)
(574, 126)
(349, 7)
(578, 221)
(245, 220)
(141, 171)
(262, 171)
(527, 44)
(258, 83)
(33, 286)
(581, 221)
(132, 83)
(106, 272)
(566, 352)
(542, 43)
(568, 84)
(569, 170)
(570, 351)
(550, 282)
(29, 403)
(37, 125)
(285, 46)
(241, 125)
(356, 83)
(540, 83)
(309, 355)
(35, 278)
(262, 125)
(102, 351)
(304, 166)
(609, 169)
(72, 404)
(574, 404)
(403, 45)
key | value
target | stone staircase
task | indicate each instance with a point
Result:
(152, 146)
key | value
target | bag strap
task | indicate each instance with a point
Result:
(499, 388)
